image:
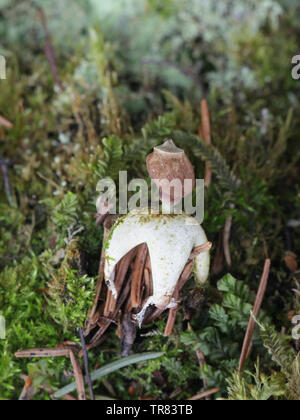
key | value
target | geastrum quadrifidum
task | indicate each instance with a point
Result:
(170, 237)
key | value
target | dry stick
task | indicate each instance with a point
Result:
(67, 351)
(218, 262)
(204, 394)
(5, 122)
(51, 352)
(256, 310)
(226, 239)
(78, 377)
(207, 137)
(49, 50)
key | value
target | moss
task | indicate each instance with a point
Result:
(118, 222)
(109, 116)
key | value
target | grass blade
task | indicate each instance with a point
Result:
(111, 367)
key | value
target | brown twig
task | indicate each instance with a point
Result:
(206, 132)
(256, 309)
(49, 50)
(5, 122)
(204, 394)
(226, 239)
(79, 379)
(218, 262)
(51, 352)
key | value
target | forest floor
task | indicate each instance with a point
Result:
(71, 115)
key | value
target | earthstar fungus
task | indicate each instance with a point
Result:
(170, 238)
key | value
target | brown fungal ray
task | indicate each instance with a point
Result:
(148, 290)
(121, 271)
(106, 322)
(137, 276)
(94, 314)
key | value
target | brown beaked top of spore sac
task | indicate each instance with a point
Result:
(169, 163)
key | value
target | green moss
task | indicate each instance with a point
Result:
(109, 116)
(118, 222)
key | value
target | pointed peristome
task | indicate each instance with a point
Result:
(169, 163)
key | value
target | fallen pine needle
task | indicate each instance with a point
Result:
(226, 239)
(5, 122)
(49, 50)
(79, 379)
(53, 352)
(206, 132)
(204, 394)
(257, 305)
